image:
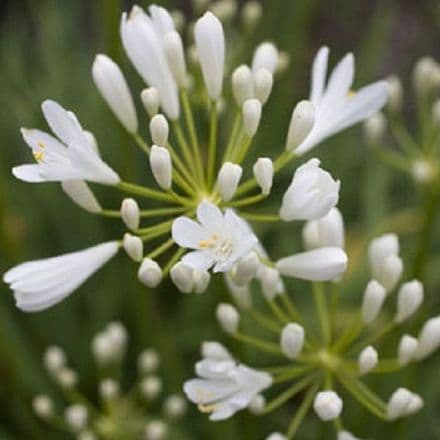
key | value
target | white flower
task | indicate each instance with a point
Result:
(263, 83)
(251, 112)
(224, 387)
(215, 350)
(228, 317)
(407, 349)
(220, 239)
(403, 403)
(311, 194)
(40, 284)
(130, 213)
(242, 85)
(150, 273)
(82, 195)
(336, 106)
(68, 156)
(142, 37)
(327, 405)
(161, 166)
(210, 44)
(176, 58)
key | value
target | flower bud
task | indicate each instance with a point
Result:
(225, 10)
(429, 338)
(374, 129)
(321, 264)
(151, 101)
(102, 349)
(246, 269)
(109, 389)
(151, 387)
(426, 75)
(263, 83)
(54, 359)
(242, 86)
(156, 430)
(270, 281)
(345, 435)
(301, 123)
(228, 317)
(86, 435)
(161, 166)
(201, 279)
(76, 416)
(276, 436)
(117, 334)
(80, 193)
(423, 171)
(182, 277)
(251, 116)
(394, 94)
(173, 47)
(311, 194)
(228, 179)
(403, 403)
(292, 340)
(113, 87)
(389, 273)
(367, 360)
(148, 361)
(215, 350)
(435, 114)
(43, 406)
(407, 349)
(66, 378)
(133, 246)
(251, 14)
(150, 273)
(409, 299)
(325, 231)
(130, 213)
(240, 294)
(327, 405)
(159, 130)
(265, 57)
(174, 406)
(257, 404)
(263, 173)
(382, 247)
(374, 297)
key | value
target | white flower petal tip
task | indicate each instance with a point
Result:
(292, 340)
(174, 52)
(263, 172)
(215, 350)
(311, 194)
(301, 123)
(327, 405)
(242, 85)
(40, 284)
(325, 231)
(224, 387)
(80, 193)
(151, 101)
(210, 44)
(367, 360)
(219, 240)
(410, 298)
(161, 166)
(403, 403)
(322, 264)
(228, 179)
(263, 83)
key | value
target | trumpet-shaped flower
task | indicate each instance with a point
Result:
(220, 239)
(68, 156)
(224, 387)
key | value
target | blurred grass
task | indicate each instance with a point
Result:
(46, 50)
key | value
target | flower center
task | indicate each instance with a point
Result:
(220, 247)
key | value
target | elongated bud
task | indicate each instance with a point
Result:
(54, 359)
(292, 340)
(173, 46)
(429, 338)
(409, 300)
(251, 116)
(150, 100)
(215, 350)
(325, 231)
(382, 247)
(270, 281)
(265, 57)
(201, 279)
(301, 123)
(111, 84)
(130, 213)
(148, 361)
(257, 404)
(327, 405)
(174, 406)
(182, 277)
(159, 130)
(426, 75)
(240, 294)
(407, 349)
(161, 166)
(251, 14)
(263, 83)
(374, 129)
(228, 179)
(322, 264)
(133, 246)
(263, 173)
(43, 406)
(403, 403)
(389, 273)
(151, 387)
(395, 94)
(156, 430)
(367, 360)
(76, 416)
(242, 86)
(374, 296)
(228, 317)
(246, 269)
(82, 195)
(150, 273)
(109, 389)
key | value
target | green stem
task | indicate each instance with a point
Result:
(293, 373)
(158, 212)
(321, 308)
(374, 337)
(161, 249)
(247, 201)
(267, 347)
(266, 322)
(144, 191)
(233, 137)
(265, 218)
(184, 147)
(212, 145)
(173, 260)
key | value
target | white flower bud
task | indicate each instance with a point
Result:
(103, 349)
(265, 57)
(174, 406)
(374, 296)
(374, 129)
(276, 436)
(263, 173)
(108, 389)
(389, 273)
(130, 213)
(382, 247)
(178, 19)
(325, 231)
(327, 405)
(395, 93)
(228, 179)
(435, 114)
(270, 281)
(292, 340)
(263, 83)
(246, 269)
(423, 171)
(367, 360)
(407, 349)
(182, 277)
(66, 378)
(43, 406)
(251, 14)
(148, 361)
(151, 387)
(159, 130)
(225, 10)
(257, 404)
(201, 279)
(80, 193)
(240, 294)
(76, 416)
(321, 264)
(151, 101)
(173, 47)
(215, 350)
(345, 435)
(242, 86)
(161, 166)
(403, 403)
(113, 87)
(301, 123)
(150, 273)
(54, 359)
(133, 246)
(117, 334)
(228, 317)
(156, 430)
(426, 75)
(429, 338)
(409, 299)
(251, 116)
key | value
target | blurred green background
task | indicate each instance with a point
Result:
(46, 51)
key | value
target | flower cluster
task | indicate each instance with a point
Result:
(195, 177)
(137, 413)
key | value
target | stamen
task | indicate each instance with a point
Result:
(38, 155)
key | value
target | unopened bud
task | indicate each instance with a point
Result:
(367, 360)
(257, 404)
(423, 171)
(156, 430)
(102, 349)
(409, 299)
(130, 213)
(175, 406)
(407, 349)
(242, 86)
(148, 361)
(201, 279)
(374, 296)
(150, 273)
(133, 246)
(80, 193)
(292, 340)
(67, 378)
(228, 179)
(395, 94)
(263, 173)
(151, 387)
(161, 166)
(327, 405)
(374, 129)
(159, 130)
(426, 75)
(389, 273)
(108, 389)
(403, 403)
(225, 10)
(76, 416)
(173, 47)
(43, 406)
(251, 116)
(246, 269)
(263, 83)
(150, 100)
(301, 123)
(215, 350)
(276, 436)
(265, 57)
(118, 336)
(182, 277)
(325, 231)
(346, 435)
(228, 317)
(429, 338)
(251, 14)
(240, 294)
(270, 281)
(54, 359)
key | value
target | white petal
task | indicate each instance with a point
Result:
(82, 195)
(340, 80)
(210, 216)
(199, 260)
(319, 71)
(188, 233)
(28, 173)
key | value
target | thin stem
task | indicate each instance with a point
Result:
(293, 373)
(144, 191)
(184, 147)
(264, 218)
(233, 137)
(267, 347)
(247, 201)
(142, 144)
(264, 321)
(212, 146)
(291, 308)
(374, 337)
(242, 149)
(321, 308)
(277, 312)
(161, 249)
(157, 227)
(173, 260)
(159, 212)
(350, 334)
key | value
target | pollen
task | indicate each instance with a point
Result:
(41, 144)
(38, 155)
(351, 93)
(209, 243)
(207, 408)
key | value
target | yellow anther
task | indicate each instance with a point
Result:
(351, 93)
(38, 155)
(41, 144)
(207, 408)
(209, 243)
